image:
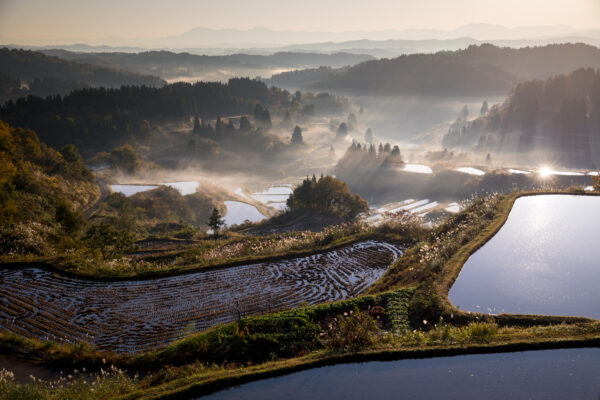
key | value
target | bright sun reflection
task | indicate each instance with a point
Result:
(545, 172)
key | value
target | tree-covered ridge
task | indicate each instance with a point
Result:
(24, 72)
(476, 70)
(99, 119)
(558, 118)
(170, 65)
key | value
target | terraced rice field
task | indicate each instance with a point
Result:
(129, 316)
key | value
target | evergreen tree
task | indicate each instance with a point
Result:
(219, 126)
(197, 125)
(351, 121)
(245, 125)
(369, 136)
(229, 128)
(297, 136)
(215, 222)
(258, 114)
(287, 120)
(484, 108)
(372, 151)
(266, 119)
(342, 131)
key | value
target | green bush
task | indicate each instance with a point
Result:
(351, 330)
(482, 332)
(425, 307)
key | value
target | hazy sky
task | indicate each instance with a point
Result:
(95, 19)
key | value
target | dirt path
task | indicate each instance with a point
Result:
(104, 193)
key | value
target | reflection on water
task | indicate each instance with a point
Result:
(185, 188)
(549, 374)
(417, 168)
(470, 171)
(544, 260)
(238, 212)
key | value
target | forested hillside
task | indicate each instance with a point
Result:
(99, 119)
(41, 190)
(477, 70)
(24, 72)
(168, 65)
(557, 119)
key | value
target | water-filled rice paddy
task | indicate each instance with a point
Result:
(544, 260)
(134, 315)
(543, 375)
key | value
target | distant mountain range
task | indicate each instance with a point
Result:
(261, 37)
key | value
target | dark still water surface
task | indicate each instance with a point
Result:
(548, 374)
(544, 260)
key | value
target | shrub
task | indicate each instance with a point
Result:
(352, 330)
(328, 195)
(482, 332)
(425, 307)
(187, 232)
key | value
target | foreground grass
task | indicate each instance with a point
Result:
(226, 252)
(199, 378)
(107, 384)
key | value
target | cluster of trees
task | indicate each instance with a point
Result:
(477, 70)
(558, 118)
(262, 117)
(326, 195)
(367, 166)
(341, 129)
(366, 160)
(208, 140)
(99, 119)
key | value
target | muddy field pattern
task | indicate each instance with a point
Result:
(137, 315)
